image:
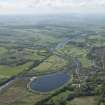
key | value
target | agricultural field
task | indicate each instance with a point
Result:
(3, 51)
(97, 40)
(65, 54)
(6, 71)
(83, 101)
(18, 94)
(76, 52)
(52, 64)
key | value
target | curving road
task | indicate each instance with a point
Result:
(60, 45)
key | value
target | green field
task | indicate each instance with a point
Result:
(83, 101)
(6, 71)
(80, 53)
(33, 47)
(36, 54)
(96, 40)
(18, 94)
(53, 63)
(3, 51)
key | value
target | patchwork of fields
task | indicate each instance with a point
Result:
(28, 51)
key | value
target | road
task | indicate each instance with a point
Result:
(60, 45)
(3, 87)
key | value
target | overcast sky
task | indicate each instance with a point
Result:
(51, 6)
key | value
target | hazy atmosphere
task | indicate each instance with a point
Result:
(52, 52)
(51, 6)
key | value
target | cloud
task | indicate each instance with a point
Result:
(39, 6)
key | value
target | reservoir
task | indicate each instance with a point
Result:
(49, 82)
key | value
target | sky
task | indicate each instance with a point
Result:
(51, 6)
